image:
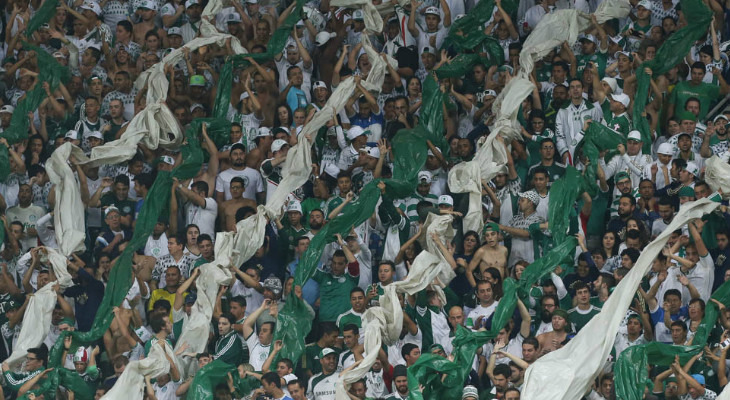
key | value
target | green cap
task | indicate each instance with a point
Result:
(490, 227)
(197, 80)
(638, 318)
(436, 346)
(325, 352)
(686, 115)
(68, 321)
(621, 176)
(561, 313)
(686, 191)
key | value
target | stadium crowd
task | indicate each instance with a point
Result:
(107, 45)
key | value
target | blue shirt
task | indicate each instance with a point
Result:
(364, 123)
(310, 290)
(296, 99)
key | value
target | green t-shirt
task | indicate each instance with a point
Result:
(597, 58)
(126, 207)
(332, 289)
(705, 92)
(349, 317)
(580, 318)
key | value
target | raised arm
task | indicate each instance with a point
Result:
(250, 322)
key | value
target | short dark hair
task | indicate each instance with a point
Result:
(407, 349)
(157, 321)
(203, 237)
(272, 377)
(41, 353)
(240, 300)
(698, 65)
(121, 178)
(672, 292)
(201, 185)
(351, 327)
(632, 253)
(502, 369)
(328, 328)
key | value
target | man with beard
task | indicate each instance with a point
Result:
(254, 185)
(322, 385)
(560, 96)
(551, 341)
(626, 207)
(542, 322)
(400, 381)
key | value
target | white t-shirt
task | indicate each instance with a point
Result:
(258, 353)
(203, 217)
(481, 311)
(166, 392)
(253, 298)
(156, 247)
(253, 182)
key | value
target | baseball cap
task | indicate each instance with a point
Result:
(588, 37)
(72, 134)
(190, 298)
(446, 199)
(58, 54)
(634, 135)
(372, 151)
(196, 105)
(294, 206)
(81, 355)
(233, 18)
(278, 144)
(96, 134)
(358, 15)
(686, 191)
(436, 346)
(167, 160)
(646, 4)
(12, 305)
(174, 31)
(424, 177)
(148, 4)
(625, 53)
(432, 10)
(621, 175)
(332, 170)
(560, 313)
(68, 321)
(325, 352)
(699, 378)
(190, 3)
(621, 98)
(7, 109)
(323, 37)
(280, 129)
(470, 391)
(197, 80)
(143, 334)
(273, 283)
(319, 85)
(692, 168)
(490, 92)
(719, 117)
(263, 132)
(612, 83)
(111, 209)
(687, 116)
(354, 132)
(91, 6)
(680, 134)
(665, 149)
(244, 96)
(532, 196)
(490, 227)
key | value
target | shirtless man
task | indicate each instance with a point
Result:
(227, 210)
(551, 341)
(491, 254)
(147, 12)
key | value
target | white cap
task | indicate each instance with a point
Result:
(252, 1)
(358, 15)
(331, 170)
(96, 134)
(323, 37)
(612, 83)
(143, 333)
(91, 6)
(72, 134)
(446, 199)
(665, 149)
(174, 31)
(373, 151)
(196, 105)
(264, 131)
(588, 37)
(318, 85)
(294, 206)
(622, 98)
(93, 44)
(277, 145)
(646, 4)
(7, 109)
(148, 4)
(244, 95)
(58, 54)
(635, 135)
(354, 132)
(190, 3)
(424, 176)
(233, 18)
(432, 10)
(692, 168)
(167, 160)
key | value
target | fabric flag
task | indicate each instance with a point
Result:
(567, 373)
(671, 53)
